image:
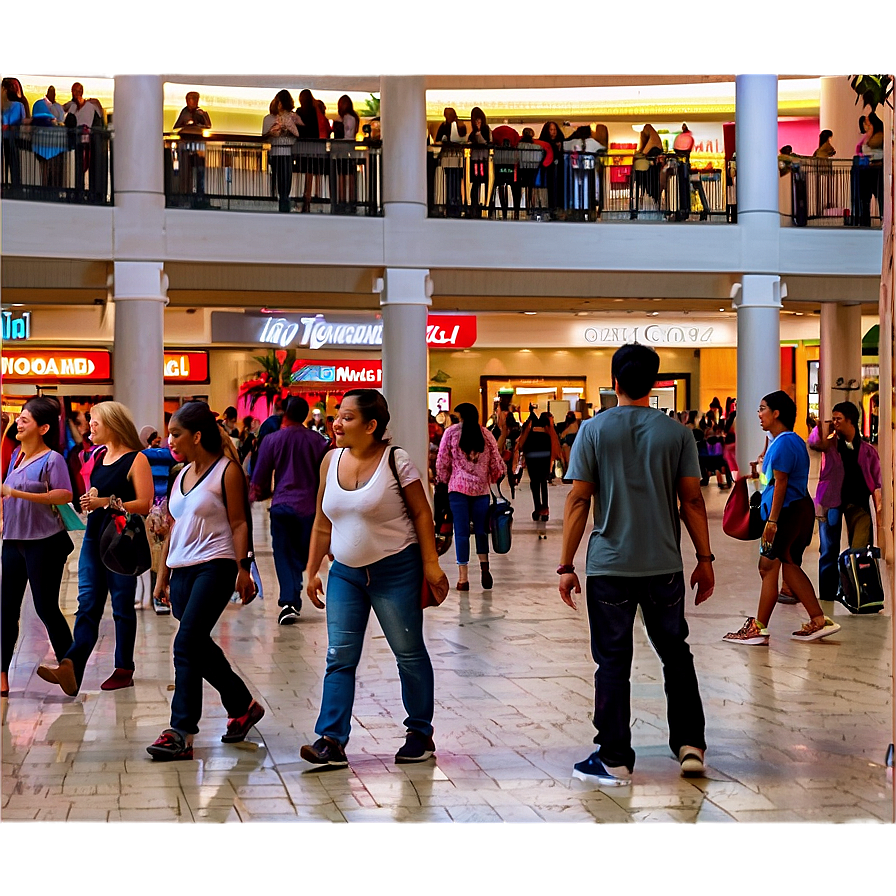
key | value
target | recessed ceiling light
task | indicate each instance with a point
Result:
(721, 309)
(530, 312)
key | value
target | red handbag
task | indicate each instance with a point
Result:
(741, 518)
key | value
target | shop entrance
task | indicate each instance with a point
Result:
(524, 393)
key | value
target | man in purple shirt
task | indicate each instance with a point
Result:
(290, 456)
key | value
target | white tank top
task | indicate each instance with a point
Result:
(201, 529)
(369, 523)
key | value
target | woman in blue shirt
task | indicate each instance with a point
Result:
(790, 520)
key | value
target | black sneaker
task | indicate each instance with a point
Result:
(288, 615)
(237, 729)
(170, 747)
(417, 748)
(324, 751)
(592, 769)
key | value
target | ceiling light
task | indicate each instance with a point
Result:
(530, 312)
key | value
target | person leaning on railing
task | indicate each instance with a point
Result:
(281, 127)
(13, 116)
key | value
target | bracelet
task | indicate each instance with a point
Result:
(705, 558)
(565, 568)
(772, 522)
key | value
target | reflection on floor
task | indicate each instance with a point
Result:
(796, 732)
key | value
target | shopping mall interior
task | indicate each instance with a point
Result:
(174, 266)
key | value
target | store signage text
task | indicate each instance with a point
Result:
(95, 366)
(16, 326)
(368, 373)
(442, 331)
(186, 367)
(653, 334)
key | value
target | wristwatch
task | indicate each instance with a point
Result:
(564, 568)
(247, 561)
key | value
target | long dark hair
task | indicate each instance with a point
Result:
(45, 412)
(546, 136)
(372, 405)
(196, 416)
(471, 438)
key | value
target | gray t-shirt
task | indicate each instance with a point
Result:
(634, 456)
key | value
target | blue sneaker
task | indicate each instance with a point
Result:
(592, 769)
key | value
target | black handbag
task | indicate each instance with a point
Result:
(500, 522)
(124, 546)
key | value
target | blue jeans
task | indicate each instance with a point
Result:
(612, 604)
(859, 534)
(94, 583)
(199, 595)
(465, 508)
(392, 587)
(290, 541)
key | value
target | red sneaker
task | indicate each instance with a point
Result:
(237, 729)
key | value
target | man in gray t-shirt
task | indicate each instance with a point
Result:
(637, 464)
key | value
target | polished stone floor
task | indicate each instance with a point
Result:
(796, 732)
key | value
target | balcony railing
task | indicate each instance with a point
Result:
(490, 181)
(831, 192)
(338, 177)
(53, 163)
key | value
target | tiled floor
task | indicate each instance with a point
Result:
(796, 732)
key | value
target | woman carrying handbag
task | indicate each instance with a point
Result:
(35, 541)
(122, 471)
(382, 544)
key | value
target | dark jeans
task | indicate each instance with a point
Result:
(94, 583)
(40, 563)
(290, 541)
(282, 169)
(859, 534)
(390, 586)
(465, 508)
(612, 604)
(199, 595)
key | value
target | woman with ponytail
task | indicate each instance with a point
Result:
(120, 469)
(469, 461)
(205, 558)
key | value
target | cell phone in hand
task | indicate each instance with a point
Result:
(766, 549)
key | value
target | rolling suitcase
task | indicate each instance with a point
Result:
(860, 589)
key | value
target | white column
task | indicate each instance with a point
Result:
(758, 305)
(138, 360)
(840, 356)
(403, 112)
(756, 135)
(405, 302)
(140, 290)
(838, 112)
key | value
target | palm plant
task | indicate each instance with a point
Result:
(873, 90)
(272, 379)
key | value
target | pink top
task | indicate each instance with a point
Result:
(468, 476)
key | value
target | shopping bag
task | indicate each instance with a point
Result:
(741, 518)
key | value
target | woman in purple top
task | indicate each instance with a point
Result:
(469, 461)
(35, 542)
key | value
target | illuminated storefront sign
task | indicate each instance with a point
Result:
(697, 334)
(334, 331)
(57, 366)
(339, 373)
(186, 367)
(16, 325)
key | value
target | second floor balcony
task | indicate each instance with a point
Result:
(528, 182)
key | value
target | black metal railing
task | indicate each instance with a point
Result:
(339, 177)
(491, 181)
(832, 192)
(54, 163)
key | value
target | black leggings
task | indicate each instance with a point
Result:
(282, 169)
(539, 472)
(40, 563)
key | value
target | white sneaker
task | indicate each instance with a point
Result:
(691, 760)
(811, 632)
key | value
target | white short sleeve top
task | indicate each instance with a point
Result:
(369, 523)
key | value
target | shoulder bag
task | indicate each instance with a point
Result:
(64, 512)
(742, 519)
(500, 522)
(430, 595)
(124, 547)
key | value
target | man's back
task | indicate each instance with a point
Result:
(293, 454)
(634, 456)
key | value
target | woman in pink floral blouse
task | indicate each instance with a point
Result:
(469, 461)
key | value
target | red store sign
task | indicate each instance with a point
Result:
(450, 331)
(57, 366)
(186, 368)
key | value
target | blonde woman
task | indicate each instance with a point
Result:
(122, 470)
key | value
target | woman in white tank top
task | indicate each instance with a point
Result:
(209, 533)
(383, 545)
